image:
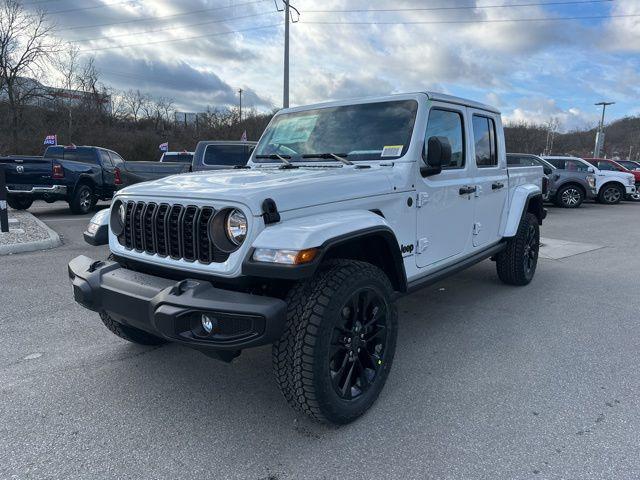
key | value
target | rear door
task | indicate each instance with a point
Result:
(491, 179)
(108, 173)
(445, 212)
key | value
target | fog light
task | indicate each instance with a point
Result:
(208, 322)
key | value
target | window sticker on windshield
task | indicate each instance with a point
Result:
(294, 130)
(392, 150)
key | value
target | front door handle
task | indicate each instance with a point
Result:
(497, 185)
(467, 190)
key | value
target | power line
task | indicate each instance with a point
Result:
(442, 22)
(180, 39)
(464, 7)
(160, 17)
(93, 7)
(165, 29)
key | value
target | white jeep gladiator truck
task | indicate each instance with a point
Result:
(343, 207)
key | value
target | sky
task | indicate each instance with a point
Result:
(200, 52)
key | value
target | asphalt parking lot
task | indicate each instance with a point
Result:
(489, 381)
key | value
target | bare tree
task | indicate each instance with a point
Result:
(25, 48)
(136, 102)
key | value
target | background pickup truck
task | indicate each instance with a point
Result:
(219, 155)
(568, 186)
(78, 175)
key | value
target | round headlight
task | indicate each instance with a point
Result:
(122, 214)
(118, 217)
(236, 226)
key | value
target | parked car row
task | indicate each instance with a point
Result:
(572, 180)
(83, 175)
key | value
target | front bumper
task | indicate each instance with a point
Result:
(172, 310)
(631, 189)
(53, 190)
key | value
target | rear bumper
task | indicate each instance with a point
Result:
(172, 310)
(40, 190)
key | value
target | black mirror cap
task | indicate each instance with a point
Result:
(438, 154)
(547, 171)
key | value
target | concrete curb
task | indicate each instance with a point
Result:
(52, 242)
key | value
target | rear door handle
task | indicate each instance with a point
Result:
(467, 190)
(497, 185)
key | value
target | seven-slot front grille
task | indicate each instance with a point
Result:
(176, 231)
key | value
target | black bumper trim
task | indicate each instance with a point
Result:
(165, 307)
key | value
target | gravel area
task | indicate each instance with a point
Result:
(23, 228)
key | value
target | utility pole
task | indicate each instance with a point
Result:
(600, 133)
(285, 94)
(240, 111)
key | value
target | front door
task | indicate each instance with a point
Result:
(445, 211)
(491, 179)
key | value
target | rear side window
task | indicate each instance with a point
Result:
(82, 155)
(226, 155)
(116, 159)
(484, 138)
(448, 124)
(105, 158)
(575, 166)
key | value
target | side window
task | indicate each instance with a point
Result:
(521, 161)
(225, 155)
(116, 159)
(446, 123)
(574, 166)
(607, 166)
(81, 155)
(484, 138)
(105, 158)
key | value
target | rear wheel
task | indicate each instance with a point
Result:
(569, 196)
(19, 203)
(517, 263)
(611, 194)
(336, 352)
(131, 334)
(82, 200)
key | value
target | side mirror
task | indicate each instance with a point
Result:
(547, 170)
(591, 170)
(437, 154)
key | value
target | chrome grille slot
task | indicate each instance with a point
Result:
(176, 231)
(147, 228)
(138, 242)
(161, 230)
(205, 253)
(188, 226)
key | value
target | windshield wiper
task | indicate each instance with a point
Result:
(283, 159)
(336, 156)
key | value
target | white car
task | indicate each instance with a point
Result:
(343, 208)
(611, 186)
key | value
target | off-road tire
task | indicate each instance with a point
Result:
(607, 199)
(569, 196)
(128, 333)
(80, 204)
(301, 356)
(19, 203)
(510, 263)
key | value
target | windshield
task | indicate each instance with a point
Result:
(370, 131)
(630, 165)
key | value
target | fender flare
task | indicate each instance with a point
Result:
(324, 231)
(522, 197)
(97, 232)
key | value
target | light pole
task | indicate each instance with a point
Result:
(285, 94)
(240, 109)
(600, 133)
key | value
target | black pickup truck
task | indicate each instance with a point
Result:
(79, 175)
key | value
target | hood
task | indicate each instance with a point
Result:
(614, 174)
(290, 188)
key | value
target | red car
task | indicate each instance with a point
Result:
(605, 164)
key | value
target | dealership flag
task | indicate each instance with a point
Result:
(243, 138)
(164, 147)
(51, 140)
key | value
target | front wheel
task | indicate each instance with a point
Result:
(611, 194)
(19, 203)
(336, 352)
(517, 263)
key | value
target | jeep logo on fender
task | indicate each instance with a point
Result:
(406, 248)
